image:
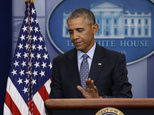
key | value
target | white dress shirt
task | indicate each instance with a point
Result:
(90, 53)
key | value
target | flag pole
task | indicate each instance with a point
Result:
(32, 1)
(30, 86)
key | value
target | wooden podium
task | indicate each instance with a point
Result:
(129, 106)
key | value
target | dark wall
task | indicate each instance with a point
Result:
(5, 46)
(150, 78)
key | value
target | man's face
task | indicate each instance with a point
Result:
(81, 33)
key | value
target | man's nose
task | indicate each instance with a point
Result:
(75, 35)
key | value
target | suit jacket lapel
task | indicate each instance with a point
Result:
(97, 63)
(73, 72)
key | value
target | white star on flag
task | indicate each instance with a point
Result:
(22, 37)
(44, 65)
(24, 29)
(20, 81)
(14, 72)
(20, 46)
(25, 90)
(45, 56)
(21, 72)
(16, 63)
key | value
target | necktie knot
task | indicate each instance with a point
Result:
(85, 56)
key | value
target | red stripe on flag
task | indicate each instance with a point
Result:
(11, 105)
(33, 109)
(43, 93)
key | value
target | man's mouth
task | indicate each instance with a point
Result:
(77, 42)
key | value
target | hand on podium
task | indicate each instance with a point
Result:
(91, 89)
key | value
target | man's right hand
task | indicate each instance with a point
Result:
(91, 89)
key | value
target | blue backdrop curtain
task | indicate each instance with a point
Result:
(5, 46)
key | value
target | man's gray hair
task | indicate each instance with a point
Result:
(82, 12)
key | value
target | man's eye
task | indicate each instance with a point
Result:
(80, 30)
(70, 32)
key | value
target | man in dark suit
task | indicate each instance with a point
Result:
(107, 73)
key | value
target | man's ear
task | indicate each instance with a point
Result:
(95, 28)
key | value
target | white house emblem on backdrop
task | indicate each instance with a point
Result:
(115, 23)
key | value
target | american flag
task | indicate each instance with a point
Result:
(28, 84)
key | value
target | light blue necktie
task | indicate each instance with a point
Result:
(84, 71)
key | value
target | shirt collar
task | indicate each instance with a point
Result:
(90, 53)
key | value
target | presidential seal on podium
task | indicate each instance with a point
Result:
(109, 111)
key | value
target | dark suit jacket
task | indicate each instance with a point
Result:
(110, 77)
